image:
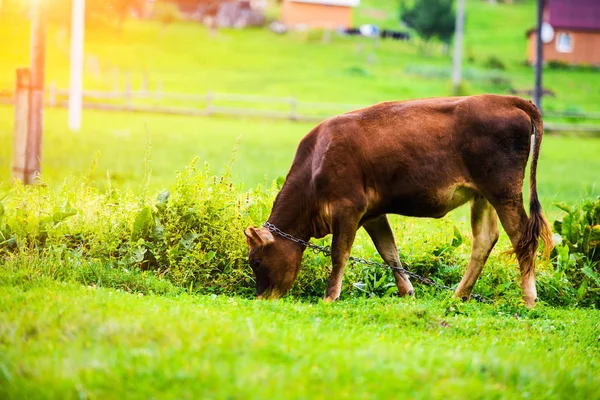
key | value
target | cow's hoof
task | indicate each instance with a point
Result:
(411, 293)
(329, 299)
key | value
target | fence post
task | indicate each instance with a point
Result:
(115, 76)
(326, 38)
(209, 100)
(52, 94)
(21, 100)
(159, 91)
(128, 91)
(293, 109)
(144, 85)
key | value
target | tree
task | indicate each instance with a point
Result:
(430, 18)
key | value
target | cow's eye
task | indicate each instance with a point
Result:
(256, 264)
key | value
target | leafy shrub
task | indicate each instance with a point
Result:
(189, 238)
(577, 255)
(191, 235)
(563, 65)
(556, 64)
(494, 62)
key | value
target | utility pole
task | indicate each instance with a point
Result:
(36, 99)
(458, 42)
(76, 83)
(539, 59)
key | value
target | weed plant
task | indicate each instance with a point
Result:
(190, 238)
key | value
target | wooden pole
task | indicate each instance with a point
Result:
(21, 124)
(36, 97)
(128, 91)
(458, 43)
(52, 94)
(76, 84)
(539, 59)
(293, 109)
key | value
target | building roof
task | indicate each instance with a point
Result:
(574, 14)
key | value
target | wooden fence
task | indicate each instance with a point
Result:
(242, 105)
(210, 103)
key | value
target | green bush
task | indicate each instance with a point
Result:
(494, 62)
(190, 235)
(189, 238)
(556, 64)
(577, 255)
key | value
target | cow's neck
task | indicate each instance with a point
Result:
(292, 211)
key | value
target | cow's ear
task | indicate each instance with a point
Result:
(252, 237)
(258, 237)
(266, 237)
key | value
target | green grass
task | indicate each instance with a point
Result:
(82, 342)
(77, 323)
(265, 148)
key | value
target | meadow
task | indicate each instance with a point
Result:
(123, 273)
(184, 57)
(73, 342)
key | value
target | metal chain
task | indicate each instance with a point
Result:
(327, 251)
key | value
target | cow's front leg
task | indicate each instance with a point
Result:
(344, 232)
(380, 231)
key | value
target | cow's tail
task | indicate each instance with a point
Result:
(537, 226)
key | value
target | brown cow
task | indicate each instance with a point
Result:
(419, 158)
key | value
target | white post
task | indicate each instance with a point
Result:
(52, 95)
(458, 42)
(36, 96)
(76, 86)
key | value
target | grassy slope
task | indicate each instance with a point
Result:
(74, 342)
(186, 59)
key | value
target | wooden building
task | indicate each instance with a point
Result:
(570, 33)
(329, 14)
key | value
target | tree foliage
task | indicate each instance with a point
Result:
(430, 18)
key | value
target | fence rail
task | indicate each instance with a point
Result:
(244, 105)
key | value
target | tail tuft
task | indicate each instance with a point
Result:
(537, 226)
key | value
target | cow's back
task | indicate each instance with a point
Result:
(418, 157)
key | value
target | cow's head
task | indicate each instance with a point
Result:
(274, 260)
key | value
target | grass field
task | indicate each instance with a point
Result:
(82, 342)
(82, 317)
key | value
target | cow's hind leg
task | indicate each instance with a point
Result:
(514, 220)
(484, 224)
(381, 233)
(344, 231)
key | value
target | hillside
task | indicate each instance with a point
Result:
(183, 57)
